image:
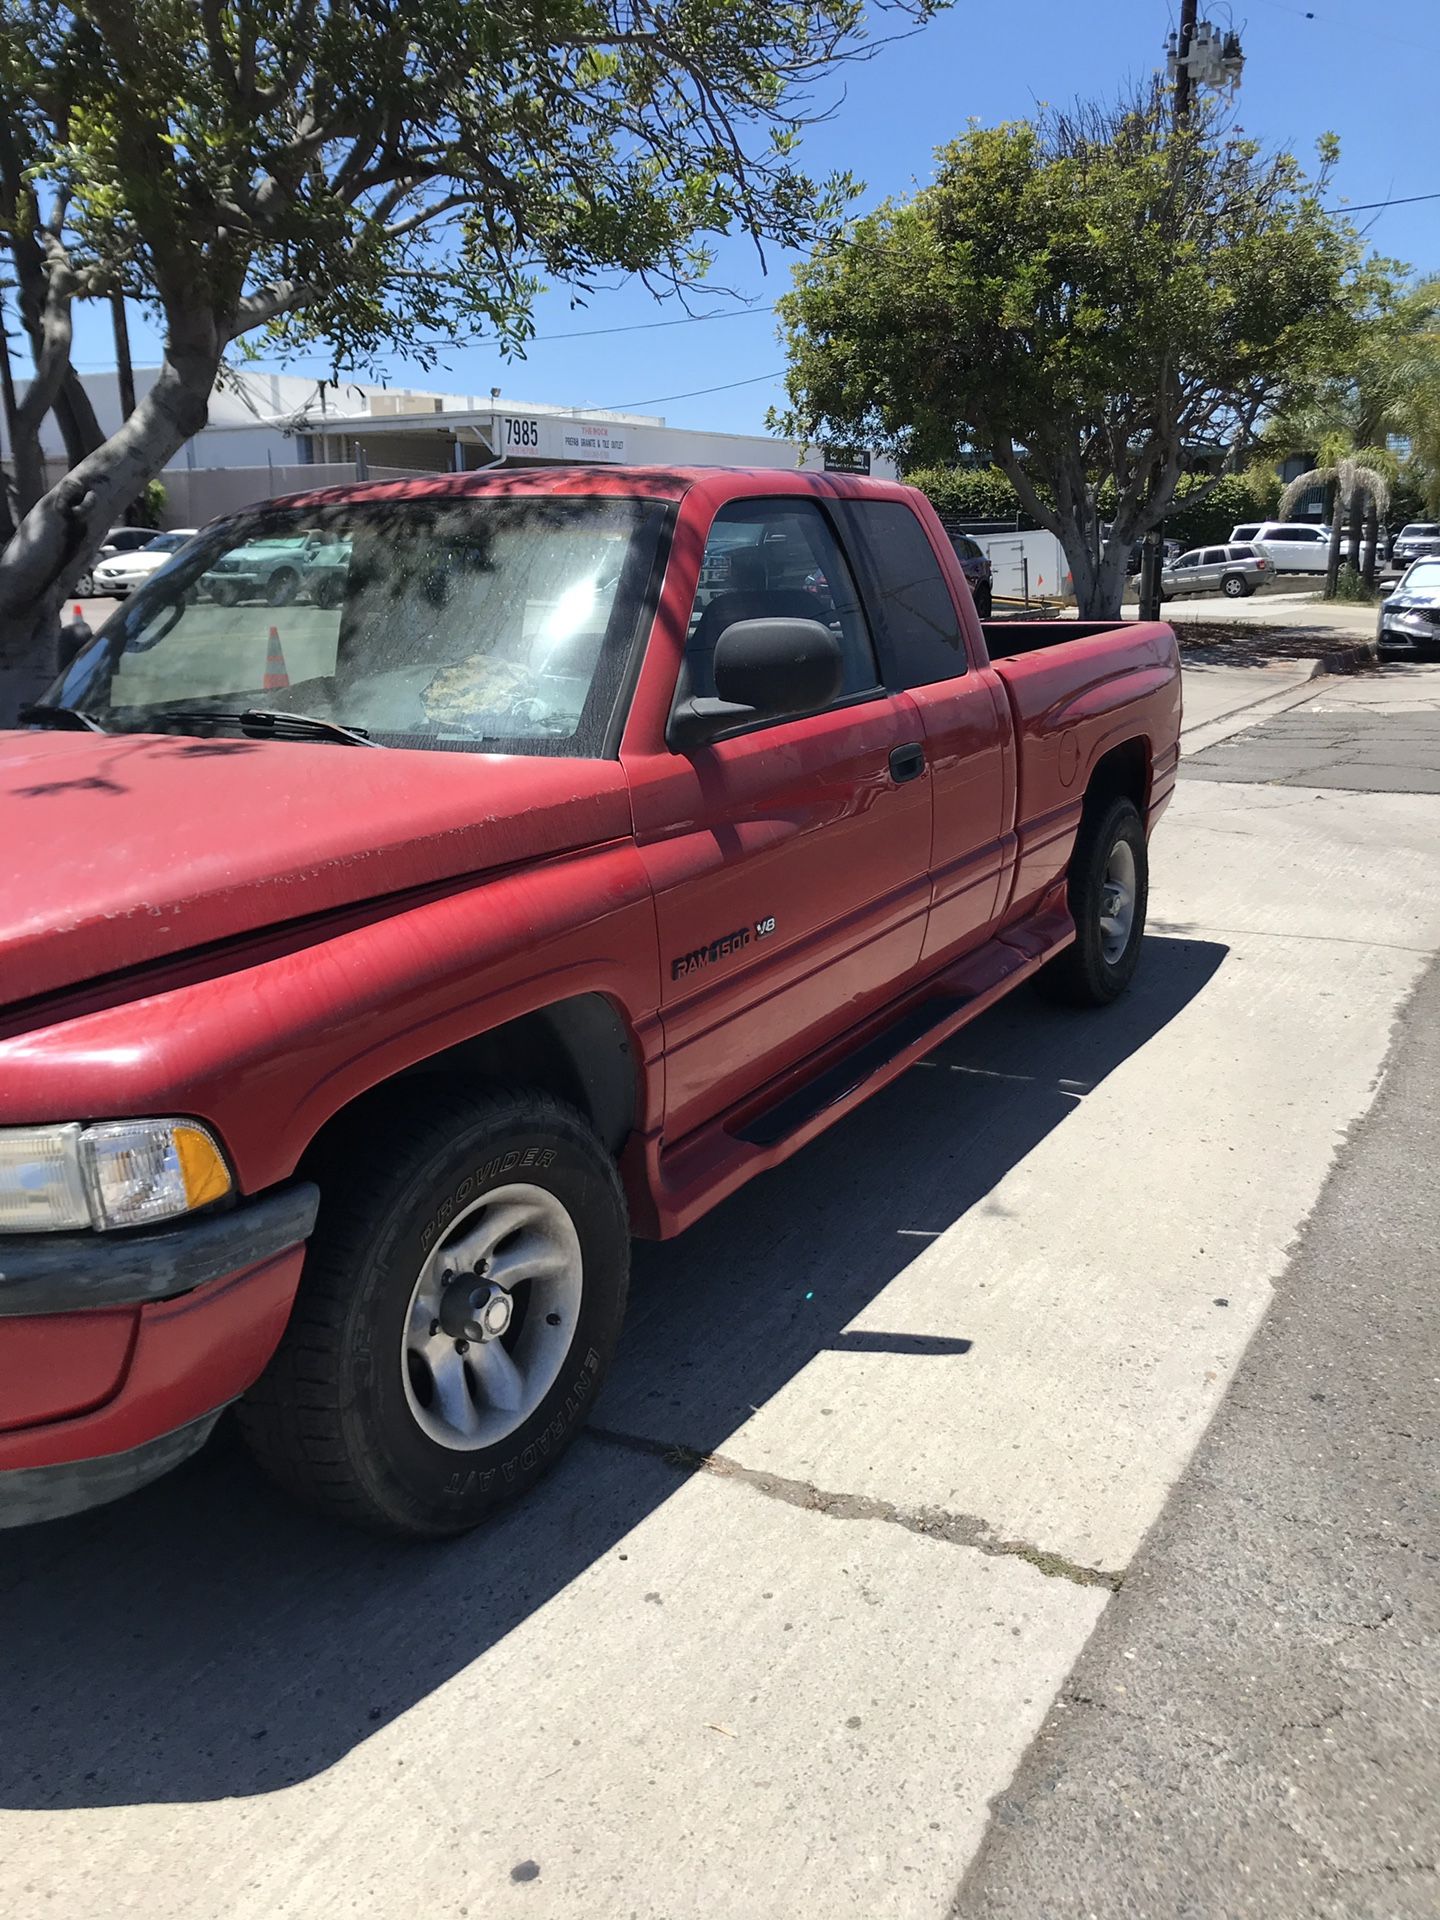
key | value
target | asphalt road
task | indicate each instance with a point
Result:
(888, 1431)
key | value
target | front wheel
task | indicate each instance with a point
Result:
(460, 1303)
(283, 587)
(1109, 890)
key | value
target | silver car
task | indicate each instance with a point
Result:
(1415, 542)
(1409, 620)
(1233, 570)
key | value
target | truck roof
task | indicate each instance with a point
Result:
(646, 483)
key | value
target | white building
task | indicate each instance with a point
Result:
(272, 433)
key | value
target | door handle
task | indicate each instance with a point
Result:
(907, 762)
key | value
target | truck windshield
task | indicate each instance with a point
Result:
(499, 625)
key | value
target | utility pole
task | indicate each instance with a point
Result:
(124, 372)
(1152, 553)
(1184, 81)
(7, 380)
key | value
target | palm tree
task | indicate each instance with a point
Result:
(1352, 487)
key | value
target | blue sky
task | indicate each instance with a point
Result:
(1373, 85)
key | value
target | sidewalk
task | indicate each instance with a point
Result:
(1300, 610)
(1252, 1730)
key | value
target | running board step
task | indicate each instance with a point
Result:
(835, 1082)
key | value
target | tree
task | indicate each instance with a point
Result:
(371, 175)
(1092, 298)
(1351, 486)
(1389, 392)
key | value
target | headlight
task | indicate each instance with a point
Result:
(125, 1173)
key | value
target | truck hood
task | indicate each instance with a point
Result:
(122, 849)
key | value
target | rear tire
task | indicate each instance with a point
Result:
(984, 600)
(1109, 862)
(1235, 586)
(372, 1410)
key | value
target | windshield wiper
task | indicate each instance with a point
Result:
(268, 718)
(38, 713)
(272, 721)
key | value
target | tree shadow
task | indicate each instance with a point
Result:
(205, 1638)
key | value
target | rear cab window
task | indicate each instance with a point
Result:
(913, 601)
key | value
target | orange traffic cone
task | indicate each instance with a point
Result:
(78, 614)
(275, 674)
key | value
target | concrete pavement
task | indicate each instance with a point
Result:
(886, 1431)
(1253, 1730)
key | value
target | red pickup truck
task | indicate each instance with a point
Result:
(558, 851)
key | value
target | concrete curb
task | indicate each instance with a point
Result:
(1209, 733)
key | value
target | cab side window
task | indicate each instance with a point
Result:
(914, 601)
(776, 559)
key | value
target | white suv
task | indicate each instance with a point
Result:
(1293, 546)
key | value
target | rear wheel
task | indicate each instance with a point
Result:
(325, 591)
(1235, 586)
(460, 1303)
(984, 599)
(1109, 890)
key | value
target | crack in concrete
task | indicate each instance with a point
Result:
(959, 1529)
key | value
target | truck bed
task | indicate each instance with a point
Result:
(1006, 638)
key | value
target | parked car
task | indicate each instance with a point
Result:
(1409, 620)
(325, 573)
(334, 1090)
(1294, 546)
(1170, 550)
(975, 565)
(271, 570)
(124, 571)
(1234, 570)
(117, 540)
(1413, 542)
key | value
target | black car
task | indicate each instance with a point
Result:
(1409, 621)
(975, 564)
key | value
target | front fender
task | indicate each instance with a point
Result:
(266, 1050)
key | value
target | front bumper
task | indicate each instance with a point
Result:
(1394, 639)
(117, 1353)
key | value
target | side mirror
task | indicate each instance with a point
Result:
(74, 635)
(766, 669)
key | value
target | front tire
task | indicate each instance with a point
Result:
(283, 586)
(1109, 891)
(461, 1300)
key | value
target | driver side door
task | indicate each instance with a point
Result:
(789, 861)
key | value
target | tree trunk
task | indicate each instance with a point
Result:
(62, 531)
(1372, 543)
(1357, 522)
(1332, 559)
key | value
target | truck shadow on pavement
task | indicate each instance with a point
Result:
(206, 1639)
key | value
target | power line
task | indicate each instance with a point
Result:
(1372, 206)
(646, 326)
(660, 399)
